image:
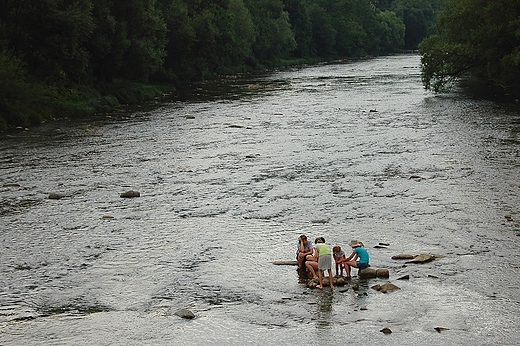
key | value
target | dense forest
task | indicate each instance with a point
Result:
(76, 57)
(479, 39)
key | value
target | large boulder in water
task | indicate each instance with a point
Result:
(388, 287)
(422, 258)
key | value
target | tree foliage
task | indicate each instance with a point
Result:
(89, 43)
(476, 37)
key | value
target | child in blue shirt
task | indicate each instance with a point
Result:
(358, 258)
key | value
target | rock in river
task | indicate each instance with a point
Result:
(422, 258)
(55, 196)
(185, 313)
(130, 194)
(388, 287)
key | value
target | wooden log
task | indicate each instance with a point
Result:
(367, 273)
(285, 263)
(382, 273)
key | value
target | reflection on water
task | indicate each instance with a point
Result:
(229, 176)
(324, 313)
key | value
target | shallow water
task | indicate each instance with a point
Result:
(229, 175)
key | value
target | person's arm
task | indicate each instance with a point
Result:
(352, 256)
(301, 248)
(311, 250)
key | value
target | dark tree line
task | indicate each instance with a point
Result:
(75, 44)
(478, 38)
(419, 17)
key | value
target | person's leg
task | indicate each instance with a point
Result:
(311, 268)
(331, 281)
(348, 265)
(301, 259)
(320, 276)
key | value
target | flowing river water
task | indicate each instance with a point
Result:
(229, 176)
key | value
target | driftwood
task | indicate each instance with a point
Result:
(285, 263)
(403, 256)
(368, 273)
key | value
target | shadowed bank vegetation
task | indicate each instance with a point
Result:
(76, 57)
(479, 39)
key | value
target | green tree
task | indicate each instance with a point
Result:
(207, 37)
(180, 38)
(392, 31)
(419, 18)
(301, 24)
(141, 32)
(243, 32)
(354, 26)
(323, 32)
(274, 35)
(108, 42)
(476, 37)
(48, 37)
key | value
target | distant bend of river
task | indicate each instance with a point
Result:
(229, 176)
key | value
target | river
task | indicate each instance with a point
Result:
(229, 175)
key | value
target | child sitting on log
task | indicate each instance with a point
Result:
(358, 258)
(338, 255)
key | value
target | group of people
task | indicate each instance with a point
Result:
(317, 257)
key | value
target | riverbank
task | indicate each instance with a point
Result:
(25, 104)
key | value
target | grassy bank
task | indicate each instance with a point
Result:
(24, 104)
(26, 100)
